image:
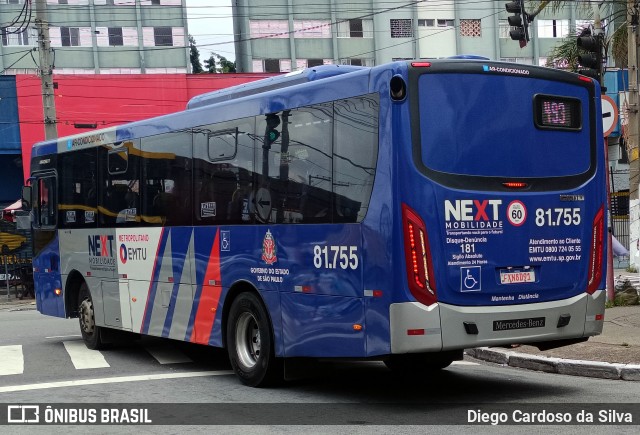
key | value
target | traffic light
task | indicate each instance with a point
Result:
(519, 22)
(591, 60)
(271, 134)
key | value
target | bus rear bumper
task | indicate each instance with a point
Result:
(419, 328)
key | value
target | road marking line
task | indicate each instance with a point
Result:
(12, 360)
(83, 358)
(97, 381)
(65, 336)
(167, 355)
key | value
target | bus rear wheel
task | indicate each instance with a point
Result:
(91, 333)
(250, 343)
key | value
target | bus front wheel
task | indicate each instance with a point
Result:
(90, 332)
(250, 343)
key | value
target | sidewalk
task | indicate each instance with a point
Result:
(12, 303)
(615, 354)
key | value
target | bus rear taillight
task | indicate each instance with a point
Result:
(596, 252)
(418, 257)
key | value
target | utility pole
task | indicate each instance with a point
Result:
(46, 71)
(632, 134)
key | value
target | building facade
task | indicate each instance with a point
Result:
(288, 35)
(98, 36)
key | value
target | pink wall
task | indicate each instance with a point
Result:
(108, 100)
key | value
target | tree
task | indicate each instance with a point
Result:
(194, 56)
(226, 66)
(210, 65)
(219, 64)
(565, 55)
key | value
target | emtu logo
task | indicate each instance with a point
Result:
(468, 210)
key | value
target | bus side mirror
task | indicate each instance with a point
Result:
(26, 198)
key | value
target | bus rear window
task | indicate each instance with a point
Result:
(496, 126)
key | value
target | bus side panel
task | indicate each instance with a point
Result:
(377, 232)
(307, 267)
(92, 253)
(46, 273)
(322, 326)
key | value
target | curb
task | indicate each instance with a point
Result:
(592, 369)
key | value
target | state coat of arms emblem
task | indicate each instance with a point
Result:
(269, 248)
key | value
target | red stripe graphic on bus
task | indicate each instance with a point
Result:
(209, 297)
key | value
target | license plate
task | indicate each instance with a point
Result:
(505, 325)
(517, 277)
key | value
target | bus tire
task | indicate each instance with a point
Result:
(410, 363)
(250, 343)
(91, 334)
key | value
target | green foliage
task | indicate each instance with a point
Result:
(194, 56)
(616, 43)
(564, 55)
(219, 64)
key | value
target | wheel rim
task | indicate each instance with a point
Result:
(248, 340)
(86, 316)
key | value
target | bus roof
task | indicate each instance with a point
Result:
(271, 83)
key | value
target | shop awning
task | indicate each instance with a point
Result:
(8, 212)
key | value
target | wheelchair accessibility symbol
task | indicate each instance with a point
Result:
(470, 279)
(225, 241)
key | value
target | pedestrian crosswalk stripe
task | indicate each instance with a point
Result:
(11, 360)
(113, 380)
(84, 358)
(168, 355)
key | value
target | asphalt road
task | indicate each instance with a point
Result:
(365, 397)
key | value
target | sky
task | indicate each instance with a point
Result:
(210, 23)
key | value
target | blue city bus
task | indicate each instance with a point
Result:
(399, 213)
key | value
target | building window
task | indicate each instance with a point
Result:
(355, 28)
(163, 36)
(445, 23)
(115, 36)
(427, 23)
(312, 29)
(269, 28)
(471, 28)
(503, 29)
(401, 28)
(70, 36)
(357, 61)
(314, 62)
(552, 28)
(11, 36)
(272, 65)
(522, 60)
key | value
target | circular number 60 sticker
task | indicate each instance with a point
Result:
(516, 213)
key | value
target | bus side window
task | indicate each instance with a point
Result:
(120, 201)
(223, 164)
(47, 201)
(77, 189)
(355, 154)
(296, 164)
